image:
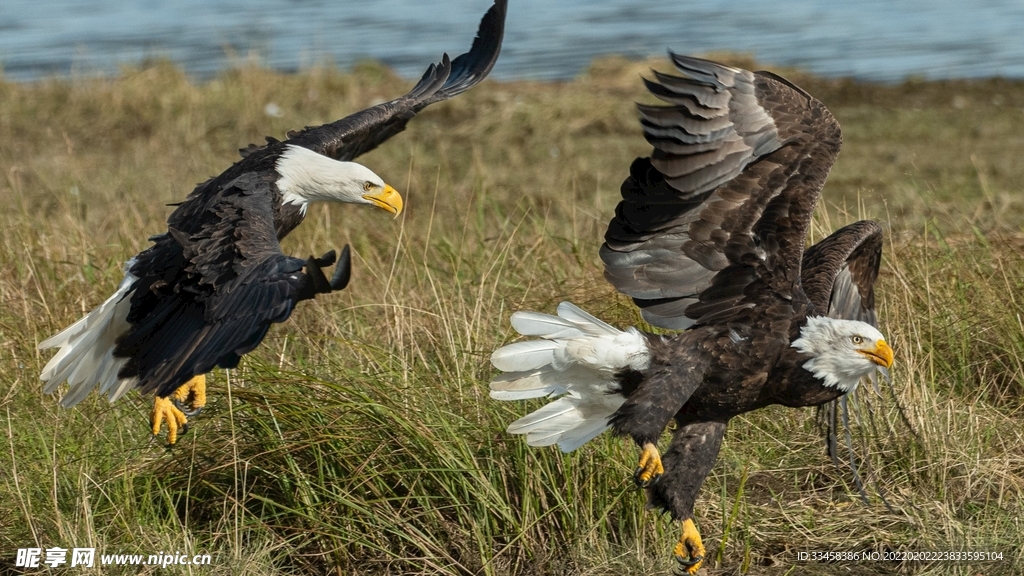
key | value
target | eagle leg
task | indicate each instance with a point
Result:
(170, 408)
(689, 551)
(650, 468)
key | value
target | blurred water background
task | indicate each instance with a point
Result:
(881, 40)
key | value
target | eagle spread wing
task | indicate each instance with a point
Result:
(363, 131)
(726, 198)
(722, 208)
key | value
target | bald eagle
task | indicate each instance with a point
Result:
(708, 240)
(208, 289)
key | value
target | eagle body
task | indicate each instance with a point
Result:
(215, 275)
(207, 290)
(709, 241)
(735, 369)
(751, 367)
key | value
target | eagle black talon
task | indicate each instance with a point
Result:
(689, 562)
(689, 551)
(686, 565)
(188, 412)
(640, 482)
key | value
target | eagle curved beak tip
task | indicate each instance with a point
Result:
(883, 354)
(389, 199)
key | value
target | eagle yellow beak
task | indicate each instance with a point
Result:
(882, 354)
(388, 199)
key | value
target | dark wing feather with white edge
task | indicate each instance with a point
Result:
(208, 291)
(363, 131)
(725, 199)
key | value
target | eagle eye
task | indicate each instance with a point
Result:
(368, 186)
(857, 340)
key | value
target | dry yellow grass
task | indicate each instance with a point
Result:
(359, 438)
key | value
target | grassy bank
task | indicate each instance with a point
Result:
(359, 438)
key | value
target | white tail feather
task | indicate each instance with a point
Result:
(544, 325)
(523, 356)
(585, 321)
(524, 385)
(537, 425)
(578, 360)
(582, 433)
(86, 355)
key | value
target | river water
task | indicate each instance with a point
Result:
(883, 40)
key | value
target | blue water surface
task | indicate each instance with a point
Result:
(885, 40)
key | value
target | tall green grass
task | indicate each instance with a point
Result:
(359, 438)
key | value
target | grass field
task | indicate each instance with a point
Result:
(359, 438)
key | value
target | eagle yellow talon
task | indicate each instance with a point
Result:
(168, 408)
(649, 469)
(689, 551)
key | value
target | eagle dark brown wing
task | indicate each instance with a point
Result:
(363, 131)
(838, 273)
(725, 199)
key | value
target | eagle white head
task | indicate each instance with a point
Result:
(306, 176)
(843, 351)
